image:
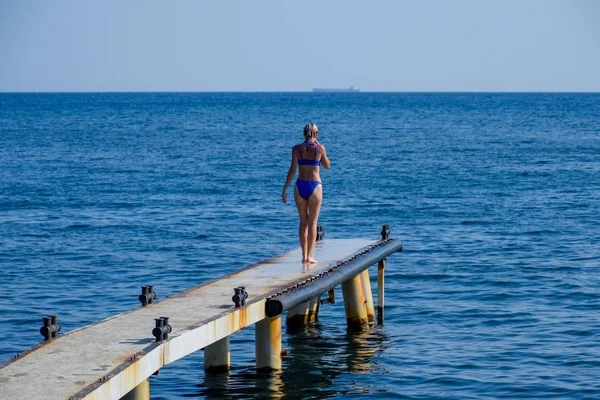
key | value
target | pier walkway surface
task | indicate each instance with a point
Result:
(108, 359)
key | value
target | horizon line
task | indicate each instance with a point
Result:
(301, 91)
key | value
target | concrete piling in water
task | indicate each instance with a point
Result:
(140, 392)
(216, 356)
(354, 303)
(366, 284)
(380, 290)
(297, 317)
(303, 314)
(268, 344)
(330, 297)
(313, 309)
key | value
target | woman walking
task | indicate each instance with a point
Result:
(308, 191)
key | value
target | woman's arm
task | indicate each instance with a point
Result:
(324, 159)
(290, 175)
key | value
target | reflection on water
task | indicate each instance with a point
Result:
(316, 357)
(241, 383)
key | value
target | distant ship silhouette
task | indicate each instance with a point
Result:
(351, 89)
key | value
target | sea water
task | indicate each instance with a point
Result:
(496, 197)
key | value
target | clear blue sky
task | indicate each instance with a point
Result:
(376, 45)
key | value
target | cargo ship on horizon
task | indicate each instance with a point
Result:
(351, 89)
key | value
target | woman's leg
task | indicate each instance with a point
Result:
(314, 207)
(302, 205)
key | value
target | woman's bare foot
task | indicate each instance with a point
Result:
(304, 260)
(311, 260)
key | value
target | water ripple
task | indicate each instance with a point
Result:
(496, 197)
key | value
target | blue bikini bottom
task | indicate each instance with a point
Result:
(306, 188)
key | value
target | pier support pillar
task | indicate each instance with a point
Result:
(216, 356)
(140, 392)
(298, 316)
(313, 309)
(268, 344)
(354, 303)
(302, 314)
(366, 284)
(380, 290)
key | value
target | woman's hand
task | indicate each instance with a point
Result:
(284, 196)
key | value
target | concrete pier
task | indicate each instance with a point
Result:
(114, 358)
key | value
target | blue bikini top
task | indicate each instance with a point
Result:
(312, 162)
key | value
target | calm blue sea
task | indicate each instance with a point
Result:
(496, 197)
